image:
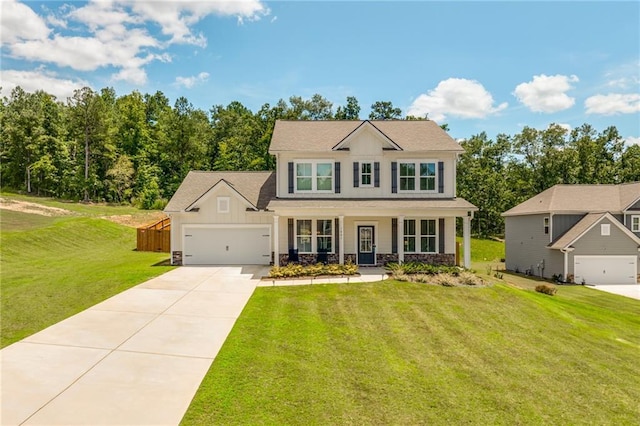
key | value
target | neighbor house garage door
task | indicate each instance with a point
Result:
(229, 245)
(606, 269)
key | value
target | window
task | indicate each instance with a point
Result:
(635, 223)
(409, 236)
(546, 225)
(366, 171)
(303, 235)
(313, 236)
(427, 176)
(424, 171)
(426, 237)
(314, 176)
(324, 234)
(605, 229)
(407, 177)
(223, 204)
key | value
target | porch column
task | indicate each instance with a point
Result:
(341, 238)
(466, 235)
(400, 239)
(276, 241)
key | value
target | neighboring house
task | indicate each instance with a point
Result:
(582, 233)
(368, 192)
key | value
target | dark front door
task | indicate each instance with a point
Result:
(366, 253)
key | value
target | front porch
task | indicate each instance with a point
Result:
(369, 240)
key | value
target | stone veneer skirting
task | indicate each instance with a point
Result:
(382, 258)
(176, 258)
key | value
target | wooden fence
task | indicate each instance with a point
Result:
(155, 237)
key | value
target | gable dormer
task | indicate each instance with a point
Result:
(366, 139)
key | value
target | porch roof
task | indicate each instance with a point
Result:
(372, 204)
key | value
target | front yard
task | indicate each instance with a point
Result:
(404, 353)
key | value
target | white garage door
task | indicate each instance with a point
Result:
(606, 269)
(229, 245)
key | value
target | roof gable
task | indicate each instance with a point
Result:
(326, 135)
(567, 199)
(587, 223)
(366, 126)
(216, 188)
(256, 188)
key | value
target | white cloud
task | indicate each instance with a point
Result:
(189, 82)
(613, 103)
(546, 93)
(112, 33)
(40, 79)
(632, 140)
(20, 22)
(456, 97)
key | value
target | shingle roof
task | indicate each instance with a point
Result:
(580, 199)
(257, 187)
(373, 203)
(319, 135)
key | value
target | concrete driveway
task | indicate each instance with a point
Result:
(628, 290)
(136, 358)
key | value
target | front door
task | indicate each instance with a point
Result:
(366, 253)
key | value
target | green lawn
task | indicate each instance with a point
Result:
(54, 267)
(401, 353)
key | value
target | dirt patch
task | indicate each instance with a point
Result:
(32, 208)
(137, 220)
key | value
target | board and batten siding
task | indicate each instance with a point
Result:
(563, 222)
(526, 246)
(594, 244)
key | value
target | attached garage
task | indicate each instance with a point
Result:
(226, 245)
(606, 269)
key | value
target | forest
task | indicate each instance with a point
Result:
(136, 148)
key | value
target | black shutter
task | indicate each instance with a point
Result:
(394, 235)
(337, 176)
(440, 177)
(376, 174)
(336, 238)
(290, 233)
(394, 177)
(290, 177)
(356, 174)
(441, 235)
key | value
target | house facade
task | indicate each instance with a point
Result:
(368, 192)
(582, 233)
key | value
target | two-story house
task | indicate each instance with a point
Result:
(582, 233)
(368, 192)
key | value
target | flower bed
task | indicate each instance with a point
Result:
(293, 270)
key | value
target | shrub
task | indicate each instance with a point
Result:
(546, 289)
(445, 280)
(293, 270)
(467, 278)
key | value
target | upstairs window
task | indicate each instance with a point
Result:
(545, 223)
(314, 176)
(366, 173)
(635, 223)
(423, 172)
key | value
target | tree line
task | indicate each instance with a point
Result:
(137, 148)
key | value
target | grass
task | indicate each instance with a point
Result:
(55, 267)
(402, 353)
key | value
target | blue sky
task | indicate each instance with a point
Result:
(478, 66)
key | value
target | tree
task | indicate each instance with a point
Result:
(351, 111)
(384, 110)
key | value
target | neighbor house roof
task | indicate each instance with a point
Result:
(584, 225)
(320, 135)
(258, 188)
(372, 203)
(579, 199)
